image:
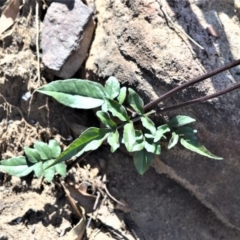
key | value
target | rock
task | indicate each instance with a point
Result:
(66, 36)
(135, 44)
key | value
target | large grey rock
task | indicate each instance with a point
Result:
(135, 44)
(66, 36)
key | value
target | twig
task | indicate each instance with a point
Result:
(179, 29)
(113, 198)
(94, 208)
(96, 202)
(201, 99)
(37, 39)
(170, 93)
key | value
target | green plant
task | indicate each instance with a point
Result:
(121, 108)
(38, 160)
(144, 142)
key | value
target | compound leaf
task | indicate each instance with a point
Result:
(180, 120)
(112, 87)
(135, 101)
(142, 160)
(75, 93)
(198, 148)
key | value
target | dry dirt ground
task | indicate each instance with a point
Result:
(156, 206)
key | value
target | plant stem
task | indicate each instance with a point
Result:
(170, 93)
(201, 99)
(135, 119)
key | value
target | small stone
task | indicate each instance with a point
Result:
(3, 236)
(66, 37)
(26, 96)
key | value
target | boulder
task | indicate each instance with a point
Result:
(66, 36)
(137, 43)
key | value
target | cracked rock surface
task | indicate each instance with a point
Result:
(135, 43)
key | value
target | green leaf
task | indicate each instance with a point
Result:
(135, 101)
(75, 93)
(55, 148)
(122, 95)
(113, 140)
(153, 148)
(148, 124)
(198, 148)
(148, 135)
(112, 87)
(106, 120)
(187, 133)
(139, 141)
(142, 160)
(38, 169)
(180, 120)
(161, 130)
(16, 166)
(43, 149)
(61, 169)
(104, 107)
(89, 140)
(174, 140)
(32, 155)
(129, 136)
(117, 110)
(49, 170)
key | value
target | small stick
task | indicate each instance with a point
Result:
(201, 99)
(179, 29)
(94, 208)
(37, 39)
(170, 93)
(113, 198)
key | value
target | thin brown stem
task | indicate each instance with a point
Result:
(201, 99)
(170, 93)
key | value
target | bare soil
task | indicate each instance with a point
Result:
(156, 206)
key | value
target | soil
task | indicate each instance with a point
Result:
(156, 207)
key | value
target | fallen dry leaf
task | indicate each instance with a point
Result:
(77, 233)
(84, 199)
